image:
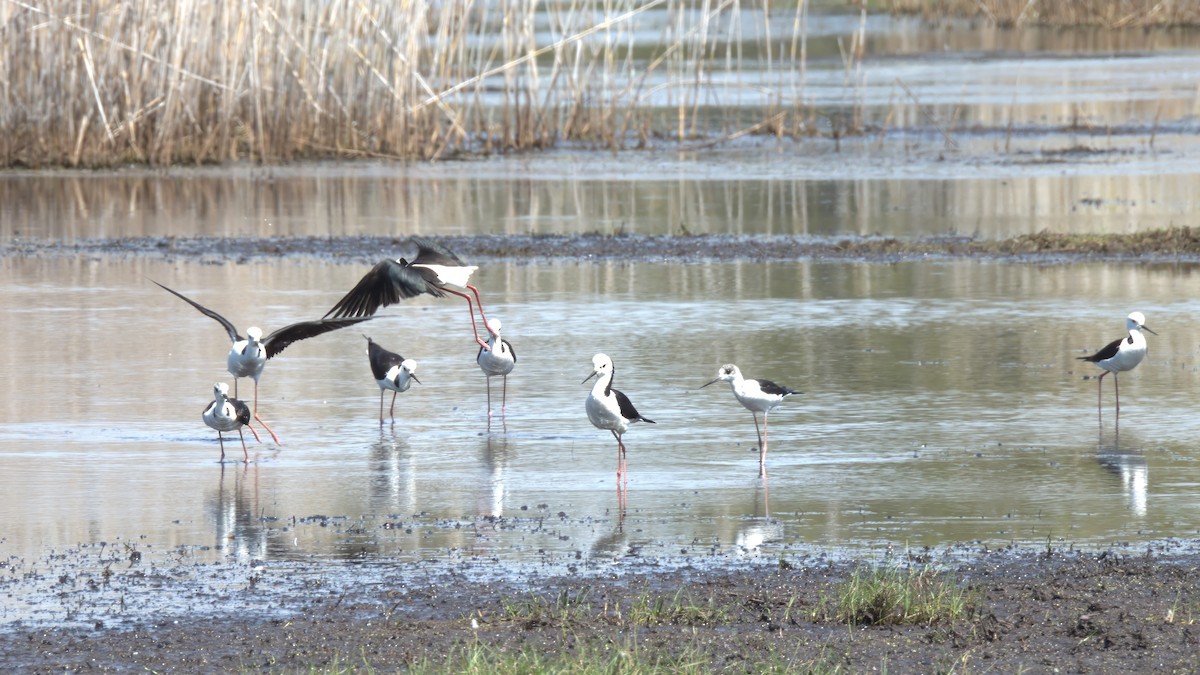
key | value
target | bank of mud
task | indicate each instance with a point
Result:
(1034, 611)
(1177, 244)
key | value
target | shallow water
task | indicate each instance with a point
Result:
(942, 405)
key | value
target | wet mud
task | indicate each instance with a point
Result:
(1171, 244)
(1034, 611)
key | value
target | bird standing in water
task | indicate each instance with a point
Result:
(392, 373)
(228, 414)
(610, 409)
(498, 360)
(248, 355)
(1120, 355)
(758, 396)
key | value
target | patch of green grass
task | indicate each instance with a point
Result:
(536, 610)
(680, 609)
(888, 595)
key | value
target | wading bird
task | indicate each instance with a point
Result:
(435, 271)
(610, 409)
(228, 414)
(758, 396)
(499, 360)
(248, 355)
(1120, 355)
(392, 373)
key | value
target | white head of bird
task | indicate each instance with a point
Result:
(406, 372)
(254, 333)
(601, 365)
(221, 392)
(726, 373)
(493, 327)
(1137, 321)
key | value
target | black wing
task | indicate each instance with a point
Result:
(769, 387)
(1108, 352)
(429, 253)
(381, 359)
(279, 340)
(233, 334)
(243, 410)
(628, 411)
(388, 282)
(510, 349)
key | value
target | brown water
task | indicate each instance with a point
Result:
(942, 405)
(942, 402)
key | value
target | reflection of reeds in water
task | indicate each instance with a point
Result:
(185, 81)
(1105, 13)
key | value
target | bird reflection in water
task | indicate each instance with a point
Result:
(393, 483)
(237, 514)
(1127, 462)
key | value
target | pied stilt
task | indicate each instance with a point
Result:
(498, 360)
(1120, 355)
(248, 355)
(758, 396)
(610, 409)
(228, 414)
(392, 373)
(435, 271)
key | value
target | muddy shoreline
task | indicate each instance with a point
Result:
(1042, 611)
(1173, 245)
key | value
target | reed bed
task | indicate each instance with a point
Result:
(1058, 13)
(162, 82)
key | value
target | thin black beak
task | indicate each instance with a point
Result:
(1145, 327)
(414, 379)
(713, 382)
(594, 373)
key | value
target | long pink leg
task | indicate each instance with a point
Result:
(504, 400)
(471, 309)
(245, 453)
(478, 303)
(260, 420)
(762, 451)
(253, 432)
(380, 407)
(222, 442)
(391, 410)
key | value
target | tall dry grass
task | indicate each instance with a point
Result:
(1060, 13)
(103, 82)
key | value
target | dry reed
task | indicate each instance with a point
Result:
(184, 81)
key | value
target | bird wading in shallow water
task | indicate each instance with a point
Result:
(248, 355)
(392, 373)
(610, 409)
(758, 396)
(1120, 355)
(228, 414)
(435, 271)
(497, 361)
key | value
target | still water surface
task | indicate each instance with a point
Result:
(942, 405)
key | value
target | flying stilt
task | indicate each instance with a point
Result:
(392, 373)
(610, 409)
(499, 360)
(758, 396)
(248, 355)
(1120, 355)
(228, 414)
(435, 271)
